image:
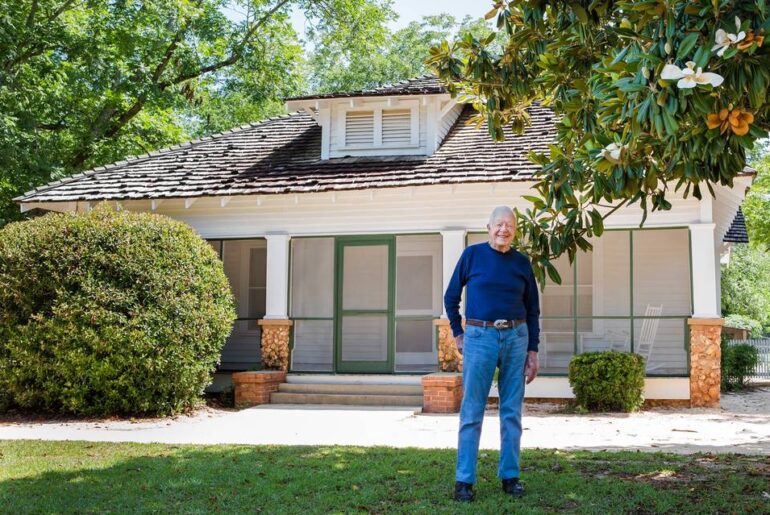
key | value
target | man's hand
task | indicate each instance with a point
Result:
(530, 369)
(459, 341)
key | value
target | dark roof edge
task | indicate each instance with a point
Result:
(377, 92)
(266, 193)
(149, 155)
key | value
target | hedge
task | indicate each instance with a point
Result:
(608, 380)
(109, 313)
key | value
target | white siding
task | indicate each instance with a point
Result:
(448, 121)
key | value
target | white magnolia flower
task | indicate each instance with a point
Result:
(724, 39)
(613, 152)
(689, 77)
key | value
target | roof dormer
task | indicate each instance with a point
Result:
(408, 118)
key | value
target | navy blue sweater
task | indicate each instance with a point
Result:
(500, 285)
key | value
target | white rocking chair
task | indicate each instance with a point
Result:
(648, 333)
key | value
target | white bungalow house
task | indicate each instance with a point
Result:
(347, 217)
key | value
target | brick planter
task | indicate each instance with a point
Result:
(254, 388)
(705, 358)
(442, 392)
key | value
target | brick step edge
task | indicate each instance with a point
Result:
(360, 400)
(351, 389)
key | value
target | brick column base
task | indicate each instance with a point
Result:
(705, 358)
(449, 359)
(274, 346)
(254, 388)
(442, 392)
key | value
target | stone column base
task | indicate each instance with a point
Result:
(254, 388)
(442, 392)
(275, 343)
(705, 358)
(449, 359)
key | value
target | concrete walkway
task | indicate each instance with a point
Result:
(742, 425)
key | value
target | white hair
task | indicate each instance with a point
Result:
(500, 211)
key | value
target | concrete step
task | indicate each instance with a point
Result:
(352, 389)
(346, 399)
(403, 379)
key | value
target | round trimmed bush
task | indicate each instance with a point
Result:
(608, 380)
(109, 313)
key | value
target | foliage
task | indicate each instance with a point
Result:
(99, 477)
(635, 121)
(756, 205)
(738, 364)
(88, 83)
(743, 322)
(109, 313)
(746, 285)
(607, 380)
(334, 65)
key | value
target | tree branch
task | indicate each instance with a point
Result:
(234, 56)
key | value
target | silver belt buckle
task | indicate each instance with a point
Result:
(500, 324)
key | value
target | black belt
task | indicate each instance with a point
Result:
(497, 324)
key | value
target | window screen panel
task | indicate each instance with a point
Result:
(612, 280)
(365, 277)
(312, 277)
(365, 338)
(662, 272)
(313, 345)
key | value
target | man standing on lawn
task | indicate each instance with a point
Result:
(502, 331)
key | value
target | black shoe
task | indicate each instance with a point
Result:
(513, 487)
(464, 492)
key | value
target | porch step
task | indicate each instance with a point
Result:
(346, 399)
(350, 390)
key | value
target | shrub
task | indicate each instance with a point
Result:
(109, 313)
(738, 364)
(743, 322)
(607, 381)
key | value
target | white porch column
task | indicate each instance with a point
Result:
(704, 272)
(453, 242)
(277, 284)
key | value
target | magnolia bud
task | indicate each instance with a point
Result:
(645, 72)
(667, 47)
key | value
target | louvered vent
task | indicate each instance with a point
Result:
(359, 128)
(396, 126)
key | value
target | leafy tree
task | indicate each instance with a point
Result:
(746, 285)
(652, 95)
(756, 206)
(399, 55)
(84, 83)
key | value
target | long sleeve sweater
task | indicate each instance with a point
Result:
(500, 285)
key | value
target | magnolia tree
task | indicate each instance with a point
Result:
(653, 96)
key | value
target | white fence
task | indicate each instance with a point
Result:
(763, 349)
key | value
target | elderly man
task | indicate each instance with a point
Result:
(501, 331)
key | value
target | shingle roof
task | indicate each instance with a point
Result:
(737, 231)
(425, 85)
(283, 155)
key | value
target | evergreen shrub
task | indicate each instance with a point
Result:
(738, 364)
(109, 313)
(607, 381)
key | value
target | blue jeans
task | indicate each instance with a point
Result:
(484, 350)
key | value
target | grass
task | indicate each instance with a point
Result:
(82, 477)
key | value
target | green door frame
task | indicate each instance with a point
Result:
(382, 367)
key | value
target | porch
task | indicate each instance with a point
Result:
(373, 303)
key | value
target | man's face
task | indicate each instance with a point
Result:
(501, 231)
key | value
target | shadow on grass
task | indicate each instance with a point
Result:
(38, 476)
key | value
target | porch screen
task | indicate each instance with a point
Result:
(661, 279)
(245, 266)
(418, 301)
(312, 303)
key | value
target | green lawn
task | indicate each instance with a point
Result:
(81, 477)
